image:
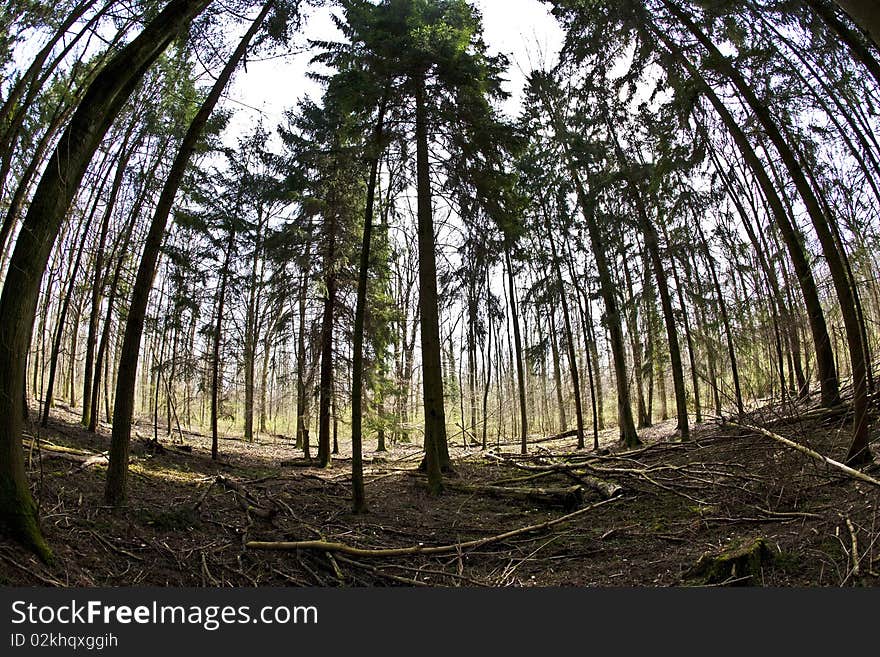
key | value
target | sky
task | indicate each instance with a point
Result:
(523, 30)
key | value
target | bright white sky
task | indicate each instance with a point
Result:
(524, 30)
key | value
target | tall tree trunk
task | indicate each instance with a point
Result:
(846, 294)
(98, 276)
(218, 339)
(569, 335)
(652, 245)
(791, 235)
(689, 340)
(252, 326)
(101, 104)
(326, 384)
(359, 502)
(487, 366)
(725, 320)
(62, 320)
(518, 349)
(436, 451)
(73, 279)
(302, 397)
(117, 471)
(120, 247)
(557, 371)
(628, 434)
(632, 320)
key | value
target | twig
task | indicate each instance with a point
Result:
(206, 573)
(31, 571)
(114, 548)
(376, 571)
(204, 495)
(855, 548)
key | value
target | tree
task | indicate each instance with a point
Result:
(117, 471)
(101, 104)
(436, 45)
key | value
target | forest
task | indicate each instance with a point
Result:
(624, 335)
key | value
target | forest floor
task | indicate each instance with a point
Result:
(779, 517)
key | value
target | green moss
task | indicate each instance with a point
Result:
(18, 520)
(703, 509)
(741, 561)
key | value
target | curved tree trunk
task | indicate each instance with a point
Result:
(123, 407)
(865, 15)
(101, 104)
(791, 236)
(836, 260)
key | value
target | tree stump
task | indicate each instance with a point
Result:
(740, 563)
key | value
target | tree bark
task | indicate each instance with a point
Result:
(569, 337)
(791, 236)
(865, 15)
(215, 350)
(847, 296)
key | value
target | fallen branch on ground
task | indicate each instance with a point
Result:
(568, 497)
(605, 488)
(245, 501)
(85, 459)
(327, 546)
(855, 474)
(855, 548)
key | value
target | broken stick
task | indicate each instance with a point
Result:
(327, 546)
(855, 474)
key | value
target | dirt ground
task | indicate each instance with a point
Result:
(724, 492)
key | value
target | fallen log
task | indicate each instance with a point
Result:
(46, 446)
(569, 497)
(603, 487)
(85, 459)
(328, 546)
(855, 474)
(571, 433)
